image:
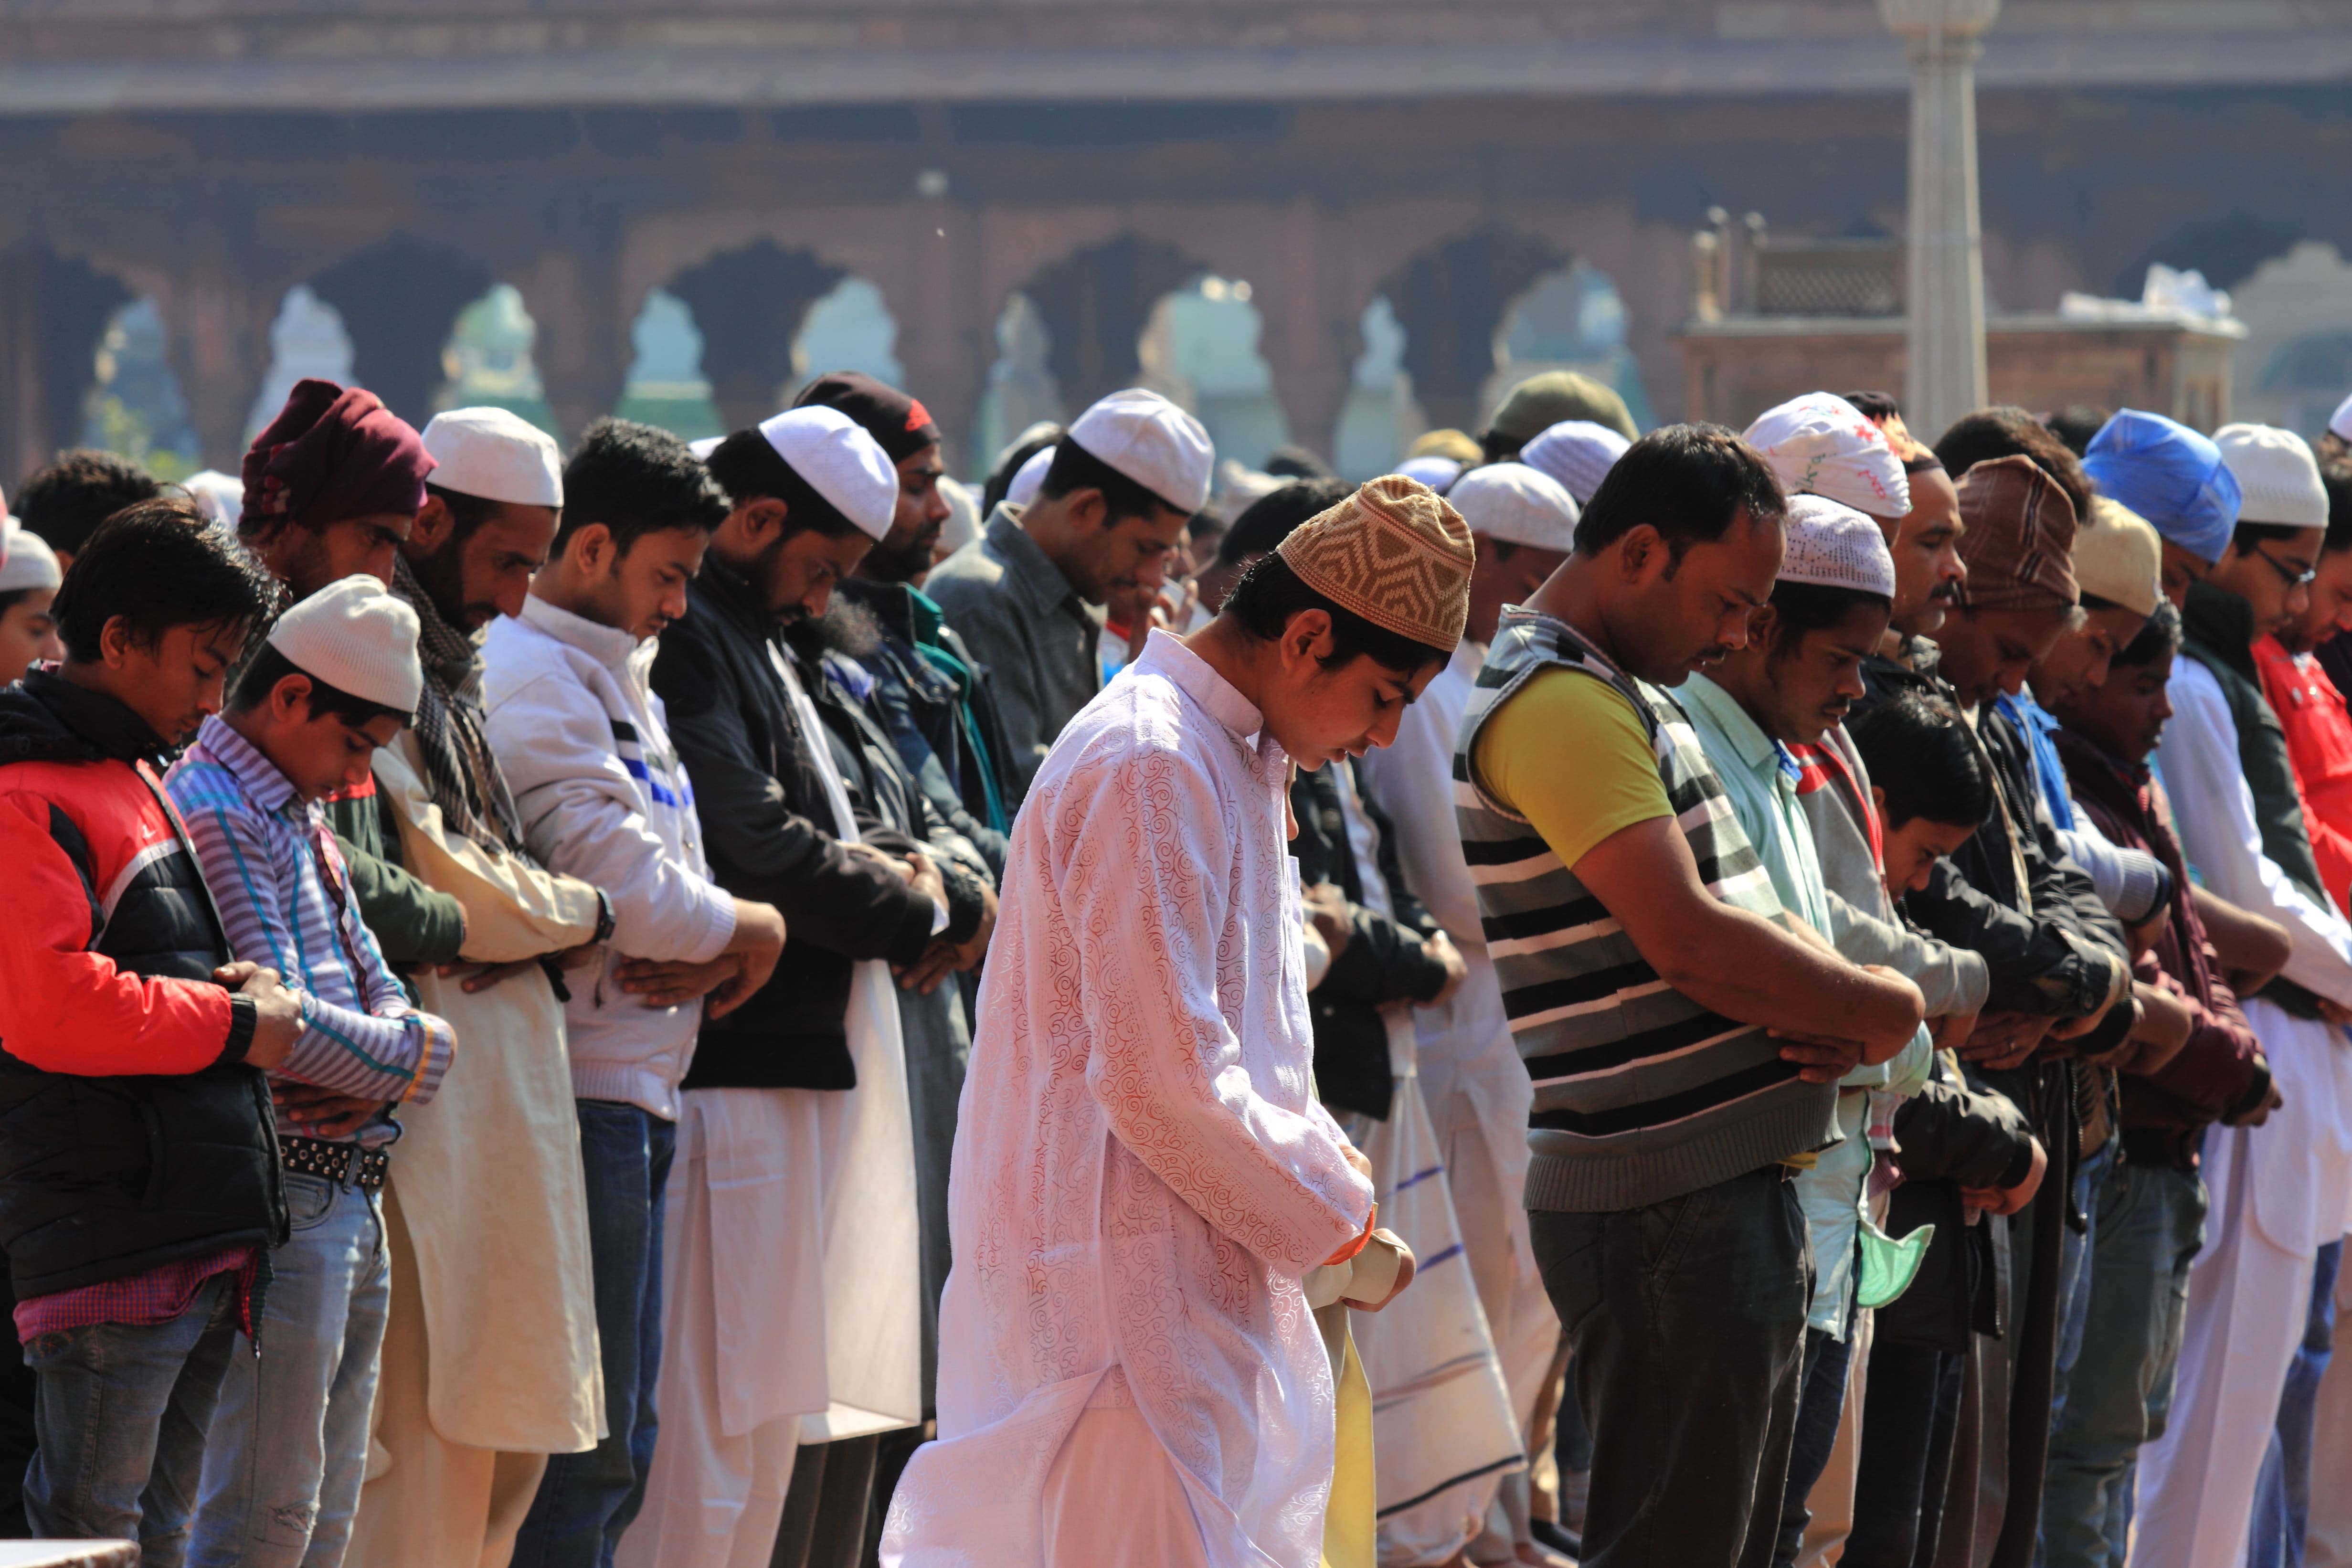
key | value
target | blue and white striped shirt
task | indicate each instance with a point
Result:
(285, 897)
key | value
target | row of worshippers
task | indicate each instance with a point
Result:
(1877, 1009)
(536, 903)
(1940, 739)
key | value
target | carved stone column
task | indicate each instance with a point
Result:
(1945, 345)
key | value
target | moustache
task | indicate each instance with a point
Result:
(1945, 593)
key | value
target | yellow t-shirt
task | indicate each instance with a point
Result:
(1567, 752)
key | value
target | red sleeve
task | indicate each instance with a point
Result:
(66, 1010)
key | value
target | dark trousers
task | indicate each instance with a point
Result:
(586, 1500)
(1688, 1318)
(1909, 1417)
(1820, 1406)
(2283, 1495)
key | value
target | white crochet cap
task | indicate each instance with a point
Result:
(1577, 453)
(2340, 422)
(2277, 473)
(1152, 442)
(707, 444)
(1028, 476)
(840, 460)
(1822, 445)
(1433, 471)
(357, 638)
(221, 496)
(1517, 505)
(962, 525)
(30, 562)
(1833, 546)
(497, 454)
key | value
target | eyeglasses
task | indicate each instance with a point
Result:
(2287, 575)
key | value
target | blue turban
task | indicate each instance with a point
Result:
(2169, 475)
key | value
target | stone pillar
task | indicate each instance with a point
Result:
(217, 322)
(1944, 288)
(1311, 336)
(748, 304)
(947, 324)
(581, 347)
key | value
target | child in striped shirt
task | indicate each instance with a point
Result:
(338, 677)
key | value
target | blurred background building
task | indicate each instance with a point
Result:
(1334, 222)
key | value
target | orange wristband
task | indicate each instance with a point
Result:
(1359, 1244)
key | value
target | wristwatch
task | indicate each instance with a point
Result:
(605, 920)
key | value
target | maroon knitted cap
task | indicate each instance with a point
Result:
(332, 453)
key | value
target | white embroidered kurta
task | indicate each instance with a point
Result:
(1141, 1171)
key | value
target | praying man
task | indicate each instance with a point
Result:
(1128, 1371)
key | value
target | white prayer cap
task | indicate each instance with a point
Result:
(2340, 422)
(1577, 453)
(1028, 476)
(1832, 544)
(357, 638)
(1515, 503)
(221, 496)
(962, 525)
(840, 460)
(29, 563)
(2276, 473)
(1152, 442)
(704, 448)
(496, 454)
(1433, 471)
(1822, 445)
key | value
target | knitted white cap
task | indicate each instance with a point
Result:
(1577, 453)
(357, 638)
(704, 448)
(1832, 544)
(1822, 445)
(2340, 422)
(1028, 476)
(1152, 442)
(496, 454)
(222, 496)
(1515, 503)
(1431, 469)
(30, 562)
(2277, 473)
(841, 460)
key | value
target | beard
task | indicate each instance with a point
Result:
(845, 629)
(442, 576)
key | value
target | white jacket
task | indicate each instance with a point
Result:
(605, 799)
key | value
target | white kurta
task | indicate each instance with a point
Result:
(2278, 1191)
(1141, 1171)
(1471, 1076)
(790, 1278)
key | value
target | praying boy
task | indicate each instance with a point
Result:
(337, 677)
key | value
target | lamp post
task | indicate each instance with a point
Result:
(1944, 287)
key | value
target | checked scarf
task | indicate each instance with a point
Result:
(460, 770)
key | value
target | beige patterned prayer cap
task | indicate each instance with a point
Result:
(1395, 553)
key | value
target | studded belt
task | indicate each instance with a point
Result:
(333, 1162)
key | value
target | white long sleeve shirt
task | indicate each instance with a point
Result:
(2213, 810)
(1142, 1173)
(605, 799)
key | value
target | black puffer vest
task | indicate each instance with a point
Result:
(101, 1178)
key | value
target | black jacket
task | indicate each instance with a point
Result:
(104, 1177)
(2218, 631)
(1953, 1135)
(931, 698)
(1385, 958)
(767, 829)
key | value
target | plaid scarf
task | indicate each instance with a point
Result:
(459, 769)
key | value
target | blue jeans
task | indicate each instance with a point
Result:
(1687, 1320)
(289, 1443)
(2283, 1494)
(585, 1501)
(120, 1414)
(2151, 1226)
(1820, 1408)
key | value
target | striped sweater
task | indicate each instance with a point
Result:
(1641, 1094)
